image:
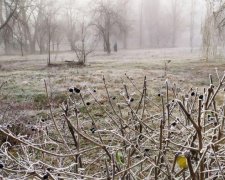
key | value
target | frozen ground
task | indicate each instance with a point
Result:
(26, 75)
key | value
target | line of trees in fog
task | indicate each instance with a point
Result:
(31, 26)
(166, 20)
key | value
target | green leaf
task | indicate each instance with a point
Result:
(118, 158)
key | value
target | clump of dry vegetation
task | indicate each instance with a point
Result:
(118, 135)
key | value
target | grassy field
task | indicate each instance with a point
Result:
(25, 88)
(26, 75)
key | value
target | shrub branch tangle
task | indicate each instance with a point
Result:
(129, 135)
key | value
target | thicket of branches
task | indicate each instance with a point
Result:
(129, 134)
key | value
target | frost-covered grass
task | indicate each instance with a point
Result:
(119, 126)
(26, 75)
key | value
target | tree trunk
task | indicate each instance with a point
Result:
(104, 45)
(42, 46)
(7, 36)
(32, 47)
(21, 47)
(49, 47)
(58, 47)
(192, 23)
(125, 34)
(141, 24)
(7, 43)
(1, 13)
(25, 27)
(53, 46)
(108, 48)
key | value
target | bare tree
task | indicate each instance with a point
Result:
(209, 32)
(8, 13)
(58, 38)
(24, 25)
(192, 22)
(71, 18)
(31, 25)
(42, 37)
(86, 40)
(41, 29)
(51, 24)
(176, 18)
(10, 9)
(124, 21)
(19, 36)
(106, 17)
(213, 32)
(31, 21)
(141, 24)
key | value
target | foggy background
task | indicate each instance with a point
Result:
(39, 26)
(112, 89)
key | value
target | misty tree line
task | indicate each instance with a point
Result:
(164, 21)
(28, 26)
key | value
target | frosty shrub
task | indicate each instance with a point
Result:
(120, 135)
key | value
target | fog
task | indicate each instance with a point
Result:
(39, 26)
(112, 89)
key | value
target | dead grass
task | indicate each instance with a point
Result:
(25, 75)
(26, 84)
